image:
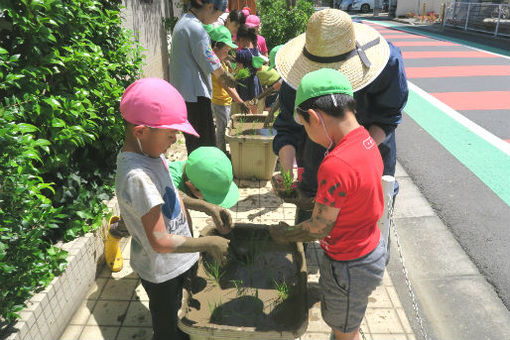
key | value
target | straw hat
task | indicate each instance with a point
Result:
(332, 40)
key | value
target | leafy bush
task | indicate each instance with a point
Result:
(27, 259)
(279, 24)
(63, 67)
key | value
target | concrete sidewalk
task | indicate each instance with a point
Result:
(117, 306)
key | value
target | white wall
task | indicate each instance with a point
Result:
(404, 7)
(146, 21)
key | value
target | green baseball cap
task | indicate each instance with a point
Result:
(210, 171)
(222, 34)
(258, 60)
(319, 83)
(272, 56)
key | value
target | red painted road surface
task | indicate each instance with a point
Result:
(473, 82)
(457, 71)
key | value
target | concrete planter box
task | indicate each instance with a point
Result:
(48, 312)
(252, 155)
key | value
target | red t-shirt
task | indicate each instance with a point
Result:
(350, 179)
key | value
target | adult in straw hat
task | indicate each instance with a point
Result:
(376, 71)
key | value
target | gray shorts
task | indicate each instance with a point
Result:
(346, 286)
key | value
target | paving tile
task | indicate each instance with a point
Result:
(272, 213)
(198, 214)
(404, 320)
(315, 336)
(246, 183)
(140, 293)
(138, 314)
(400, 171)
(126, 252)
(269, 199)
(248, 201)
(410, 202)
(380, 298)
(126, 272)
(390, 336)
(315, 322)
(99, 333)
(383, 321)
(72, 332)
(249, 216)
(393, 296)
(108, 313)
(135, 333)
(119, 289)
(96, 288)
(82, 314)
(387, 279)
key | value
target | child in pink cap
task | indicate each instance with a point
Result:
(254, 22)
(163, 251)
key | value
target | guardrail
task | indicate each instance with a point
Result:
(481, 17)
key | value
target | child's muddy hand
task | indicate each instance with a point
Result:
(221, 217)
(278, 233)
(218, 248)
(277, 183)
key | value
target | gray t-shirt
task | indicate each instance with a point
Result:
(142, 183)
(192, 59)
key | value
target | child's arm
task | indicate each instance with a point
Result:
(317, 227)
(163, 242)
(221, 216)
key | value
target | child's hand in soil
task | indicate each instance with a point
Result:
(221, 217)
(218, 248)
(278, 233)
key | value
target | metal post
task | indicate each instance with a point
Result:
(499, 20)
(443, 12)
(467, 16)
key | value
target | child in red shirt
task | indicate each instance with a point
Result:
(348, 204)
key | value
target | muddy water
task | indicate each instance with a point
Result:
(246, 294)
(252, 129)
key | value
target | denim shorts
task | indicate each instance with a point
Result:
(346, 286)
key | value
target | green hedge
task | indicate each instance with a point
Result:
(279, 24)
(64, 65)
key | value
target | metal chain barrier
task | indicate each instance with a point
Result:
(406, 275)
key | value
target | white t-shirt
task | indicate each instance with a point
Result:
(142, 183)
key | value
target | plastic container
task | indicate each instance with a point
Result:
(252, 154)
(236, 307)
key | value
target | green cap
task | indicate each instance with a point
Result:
(208, 28)
(322, 82)
(272, 56)
(258, 60)
(210, 171)
(222, 34)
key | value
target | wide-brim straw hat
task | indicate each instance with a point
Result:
(332, 40)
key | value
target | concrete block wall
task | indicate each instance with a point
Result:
(145, 19)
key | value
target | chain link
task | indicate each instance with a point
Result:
(362, 334)
(404, 270)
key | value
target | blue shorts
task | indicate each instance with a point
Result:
(346, 286)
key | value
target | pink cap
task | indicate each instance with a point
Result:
(252, 21)
(155, 103)
(246, 12)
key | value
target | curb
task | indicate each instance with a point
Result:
(455, 299)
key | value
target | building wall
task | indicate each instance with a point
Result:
(145, 19)
(404, 7)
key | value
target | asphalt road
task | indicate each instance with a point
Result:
(466, 185)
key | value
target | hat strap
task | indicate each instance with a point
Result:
(359, 50)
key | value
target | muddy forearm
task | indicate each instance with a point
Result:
(195, 203)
